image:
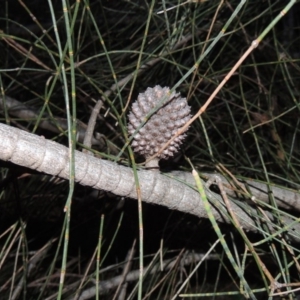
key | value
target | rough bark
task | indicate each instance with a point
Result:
(35, 152)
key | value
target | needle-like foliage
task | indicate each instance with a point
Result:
(71, 71)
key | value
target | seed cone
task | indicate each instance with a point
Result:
(162, 125)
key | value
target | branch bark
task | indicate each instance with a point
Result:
(29, 150)
(18, 109)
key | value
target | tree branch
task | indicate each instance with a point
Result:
(29, 150)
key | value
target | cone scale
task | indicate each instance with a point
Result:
(161, 126)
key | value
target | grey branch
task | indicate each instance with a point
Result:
(108, 285)
(285, 198)
(29, 150)
(18, 109)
